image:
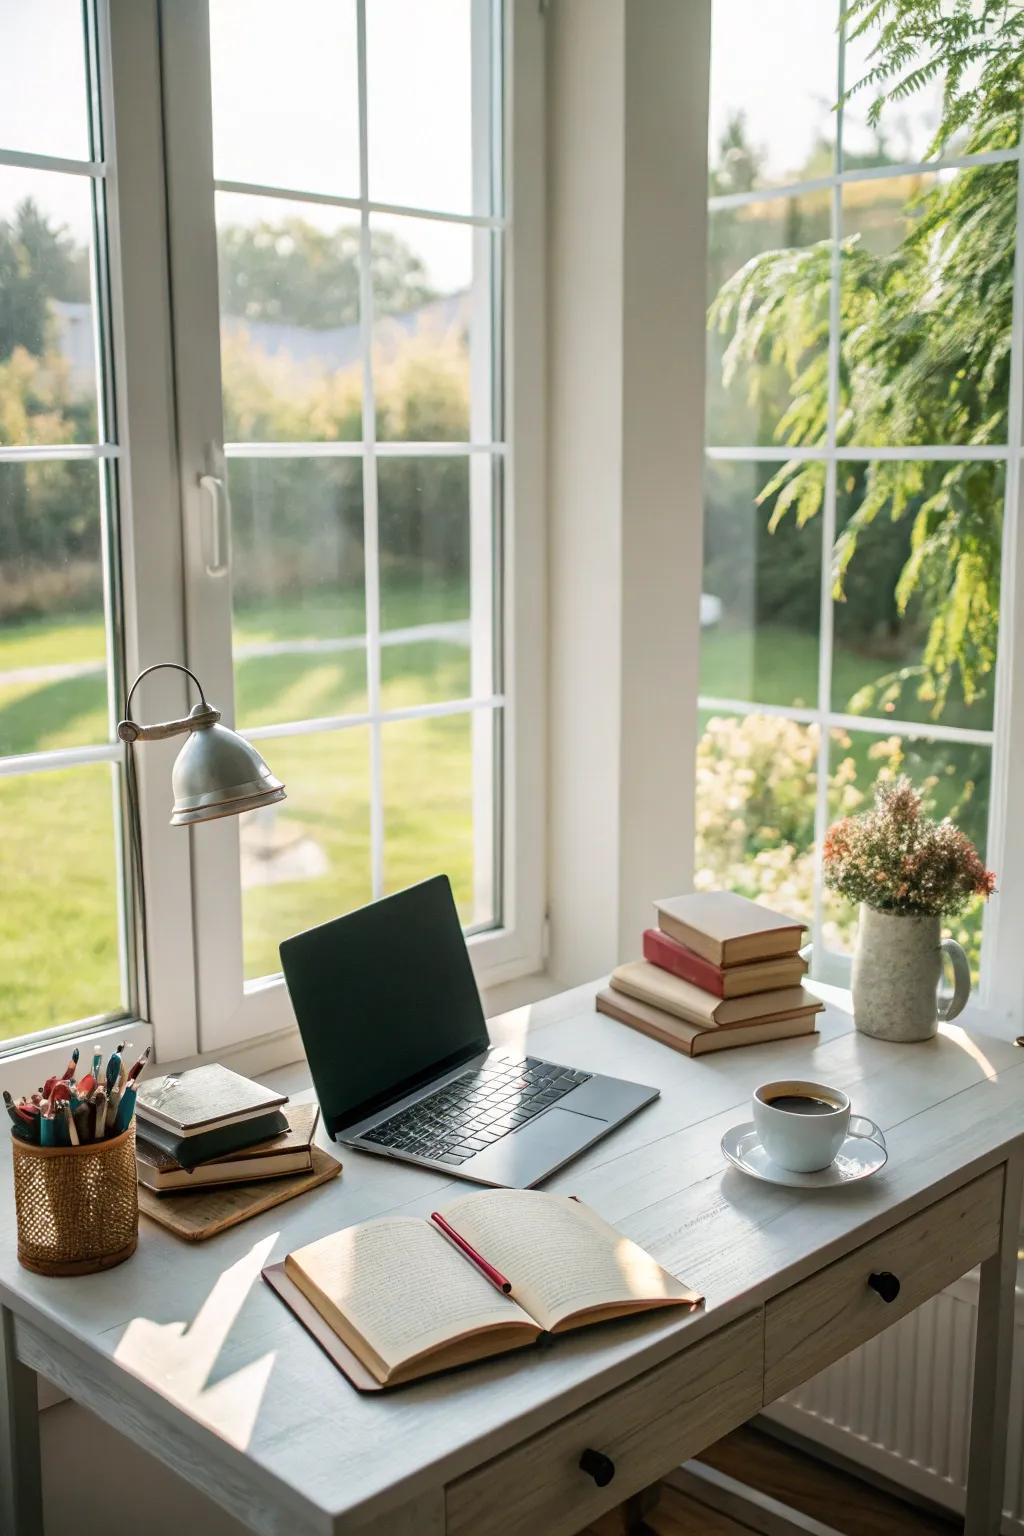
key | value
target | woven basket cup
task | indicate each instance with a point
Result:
(78, 1207)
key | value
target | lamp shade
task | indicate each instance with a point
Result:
(217, 773)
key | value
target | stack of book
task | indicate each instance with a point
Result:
(209, 1127)
(718, 971)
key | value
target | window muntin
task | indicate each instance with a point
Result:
(803, 695)
(358, 331)
(63, 940)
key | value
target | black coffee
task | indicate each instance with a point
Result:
(802, 1104)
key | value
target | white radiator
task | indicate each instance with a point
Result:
(901, 1405)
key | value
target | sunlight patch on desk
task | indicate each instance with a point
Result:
(177, 1359)
(959, 1036)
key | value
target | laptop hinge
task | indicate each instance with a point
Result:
(421, 1080)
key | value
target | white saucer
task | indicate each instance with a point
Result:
(857, 1158)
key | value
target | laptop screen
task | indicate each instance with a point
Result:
(385, 1000)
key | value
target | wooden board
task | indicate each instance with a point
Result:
(197, 1216)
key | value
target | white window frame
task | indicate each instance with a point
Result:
(230, 1012)
(1002, 991)
(152, 59)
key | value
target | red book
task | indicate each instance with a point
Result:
(728, 981)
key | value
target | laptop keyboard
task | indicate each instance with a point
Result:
(477, 1109)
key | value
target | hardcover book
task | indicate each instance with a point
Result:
(188, 1103)
(287, 1152)
(728, 929)
(652, 985)
(396, 1299)
(691, 1039)
(217, 1141)
(723, 981)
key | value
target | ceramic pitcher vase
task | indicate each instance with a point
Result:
(897, 965)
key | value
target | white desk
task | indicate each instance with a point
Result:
(187, 1352)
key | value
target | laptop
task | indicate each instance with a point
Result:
(397, 1044)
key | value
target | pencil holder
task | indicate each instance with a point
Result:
(78, 1207)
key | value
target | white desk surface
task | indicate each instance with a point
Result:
(188, 1338)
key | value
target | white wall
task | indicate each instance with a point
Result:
(627, 110)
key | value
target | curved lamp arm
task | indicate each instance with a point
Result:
(202, 715)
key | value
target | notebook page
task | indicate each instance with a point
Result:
(401, 1286)
(559, 1255)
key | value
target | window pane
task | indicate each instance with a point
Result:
(774, 71)
(761, 597)
(297, 589)
(420, 103)
(290, 342)
(756, 781)
(307, 859)
(286, 94)
(53, 664)
(881, 663)
(432, 328)
(429, 823)
(59, 954)
(752, 368)
(42, 78)
(955, 779)
(47, 334)
(425, 584)
(925, 302)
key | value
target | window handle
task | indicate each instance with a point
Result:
(220, 520)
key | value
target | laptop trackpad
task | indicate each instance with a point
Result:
(538, 1149)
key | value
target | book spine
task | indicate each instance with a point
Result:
(672, 956)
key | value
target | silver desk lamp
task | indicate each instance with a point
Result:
(216, 773)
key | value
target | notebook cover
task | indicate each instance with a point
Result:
(348, 1364)
(219, 1141)
(204, 1096)
(195, 1217)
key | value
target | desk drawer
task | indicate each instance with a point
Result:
(818, 1321)
(646, 1428)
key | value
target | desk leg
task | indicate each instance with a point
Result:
(986, 1467)
(21, 1491)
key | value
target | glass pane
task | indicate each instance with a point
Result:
(756, 783)
(429, 824)
(47, 336)
(880, 665)
(926, 308)
(774, 77)
(431, 333)
(955, 778)
(53, 664)
(425, 602)
(307, 859)
(42, 78)
(58, 864)
(761, 598)
(297, 589)
(420, 104)
(286, 96)
(752, 367)
(290, 343)
(907, 125)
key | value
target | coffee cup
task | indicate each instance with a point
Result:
(802, 1125)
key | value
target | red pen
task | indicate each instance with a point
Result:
(488, 1271)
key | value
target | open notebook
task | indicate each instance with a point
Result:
(396, 1299)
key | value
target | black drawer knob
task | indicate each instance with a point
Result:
(887, 1285)
(600, 1467)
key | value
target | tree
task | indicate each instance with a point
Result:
(924, 345)
(292, 272)
(39, 262)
